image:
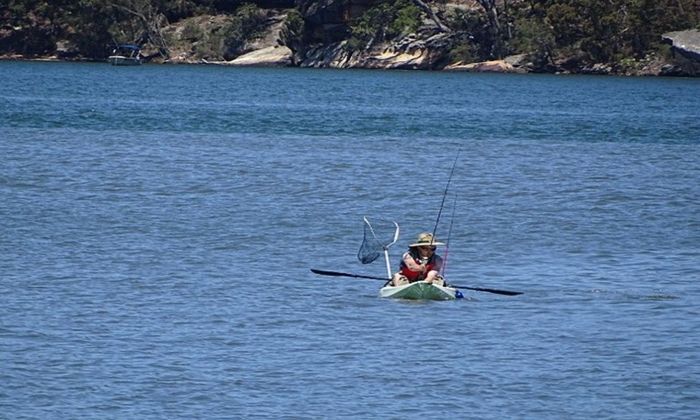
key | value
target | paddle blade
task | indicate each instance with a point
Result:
(339, 274)
(482, 289)
(329, 273)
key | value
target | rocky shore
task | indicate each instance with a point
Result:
(425, 53)
(190, 40)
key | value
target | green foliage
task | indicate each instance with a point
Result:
(465, 52)
(535, 38)
(386, 20)
(210, 46)
(88, 31)
(472, 45)
(594, 31)
(93, 26)
(247, 24)
(563, 21)
(598, 31)
(292, 34)
(37, 27)
(227, 6)
(192, 31)
(407, 19)
(179, 9)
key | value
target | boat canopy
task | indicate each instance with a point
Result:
(129, 46)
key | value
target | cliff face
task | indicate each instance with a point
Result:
(329, 43)
(412, 52)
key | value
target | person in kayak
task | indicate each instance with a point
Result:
(420, 262)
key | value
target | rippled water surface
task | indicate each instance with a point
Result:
(157, 226)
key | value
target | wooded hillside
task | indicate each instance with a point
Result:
(554, 34)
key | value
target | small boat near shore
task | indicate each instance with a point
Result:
(125, 55)
(420, 290)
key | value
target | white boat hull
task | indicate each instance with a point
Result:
(420, 290)
(118, 60)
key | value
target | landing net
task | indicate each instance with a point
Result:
(378, 236)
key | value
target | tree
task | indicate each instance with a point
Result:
(151, 20)
(491, 11)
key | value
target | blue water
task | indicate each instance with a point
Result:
(157, 226)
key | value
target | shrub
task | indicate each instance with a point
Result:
(384, 21)
(247, 23)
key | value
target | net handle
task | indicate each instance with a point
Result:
(386, 250)
(385, 247)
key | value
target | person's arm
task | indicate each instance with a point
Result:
(431, 275)
(412, 264)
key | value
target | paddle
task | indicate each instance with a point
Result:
(358, 276)
(338, 274)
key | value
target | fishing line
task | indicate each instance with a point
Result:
(449, 233)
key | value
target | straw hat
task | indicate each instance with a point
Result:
(426, 239)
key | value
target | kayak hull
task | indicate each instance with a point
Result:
(420, 290)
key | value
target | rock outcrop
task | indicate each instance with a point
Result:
(412, 52)
(686, 43)
(685, 46)
(512, 64)
(272, 56)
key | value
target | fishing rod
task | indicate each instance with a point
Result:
(444, 195)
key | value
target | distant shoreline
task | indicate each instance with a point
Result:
(55, 59)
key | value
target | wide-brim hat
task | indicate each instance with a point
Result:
(425, 239)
